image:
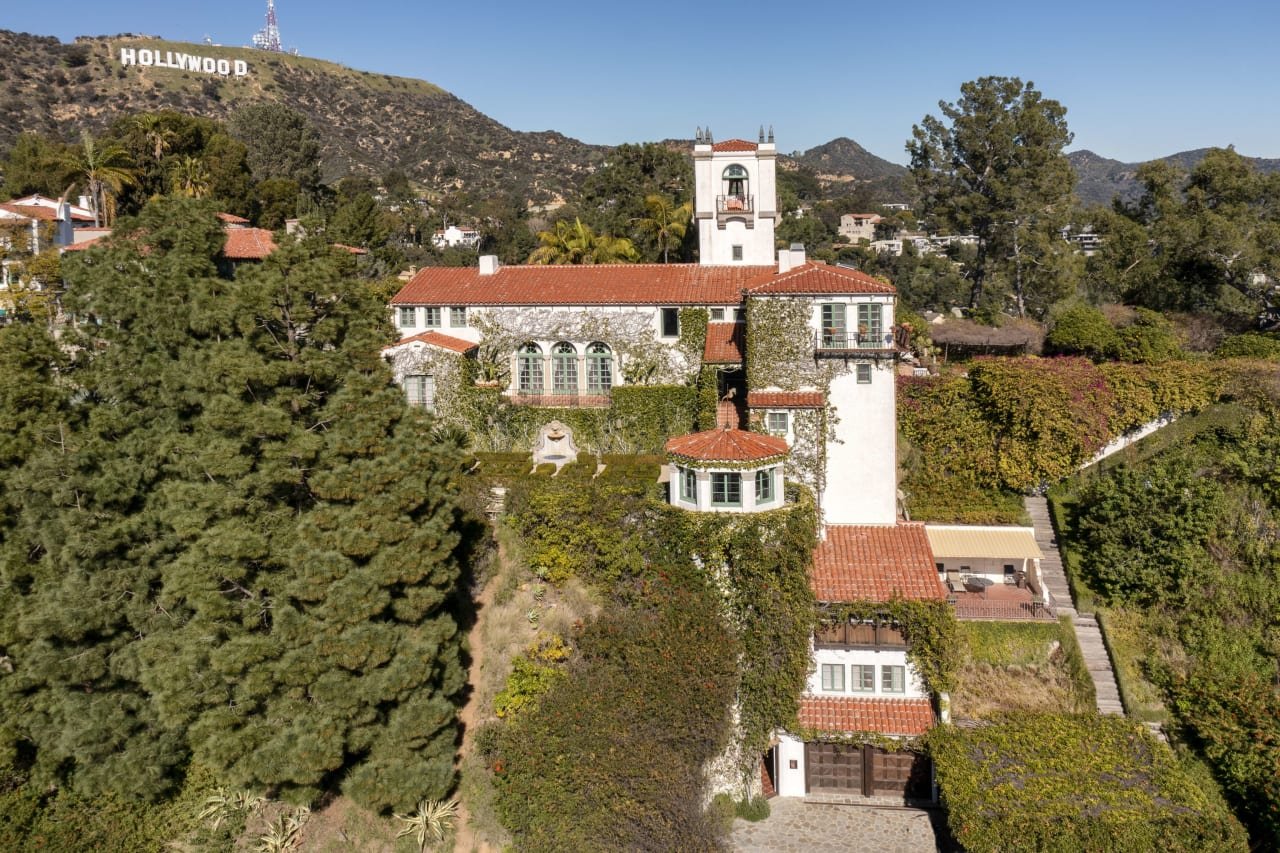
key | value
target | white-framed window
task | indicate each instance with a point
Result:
(864, 374)
(458, 317)
(529, 369)
(717, 315)
(833, 677)
(726, 488)
(564, 369)
(834, 327)
(870, 326)
(688, 485)
(408, 318)
(420, 391)
(777, 422)
(432, 315)
(599, 368)
(893, 679)
(670, 322)
(764, 486)
(862, 678)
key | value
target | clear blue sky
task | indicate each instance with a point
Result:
(1139, 79)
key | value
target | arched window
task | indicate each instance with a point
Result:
(529, 369)
(564, 369)
(735, 181)
(599, 369)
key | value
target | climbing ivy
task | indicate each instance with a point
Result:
(693, 334)
(929, 627)
(1057, 782)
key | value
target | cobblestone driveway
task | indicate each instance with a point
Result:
(794, 826)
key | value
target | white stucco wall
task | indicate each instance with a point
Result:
(715, 244)
(789, 781)
(866, 657)
(862, 469)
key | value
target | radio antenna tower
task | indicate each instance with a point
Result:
(268, 38)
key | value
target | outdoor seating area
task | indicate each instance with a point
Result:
(999, 602)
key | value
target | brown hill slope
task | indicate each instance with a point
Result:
(368, 123)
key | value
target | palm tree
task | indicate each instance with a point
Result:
(158, 136)
(106, 169)
(666, 223)
(577, 244)
(190, 177)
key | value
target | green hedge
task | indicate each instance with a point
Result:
(1052, 782)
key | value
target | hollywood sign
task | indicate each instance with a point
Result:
(183, 61)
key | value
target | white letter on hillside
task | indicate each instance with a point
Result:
(224, 67)
(145, 57)
(128, 56)
(242, 68)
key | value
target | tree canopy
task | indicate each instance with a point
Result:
(993, 166)
(233, 540)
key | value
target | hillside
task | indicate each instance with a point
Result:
(843, 158)
(367, 123)
(1100, 179)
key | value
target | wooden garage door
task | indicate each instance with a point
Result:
(903, 774)
(833, 768)
(864, 770)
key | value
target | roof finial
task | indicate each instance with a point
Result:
(708, 139)
(770, 133)
(762, 133)
(697, 136)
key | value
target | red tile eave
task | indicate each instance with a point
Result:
(814, 279)
(878, 563)
(724, 343)
(248, 244)
(587, 285)
(786, 400)
(734, 145)
(435, 339)
(726, 445)
(847, 715)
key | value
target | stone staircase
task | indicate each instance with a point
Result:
(1088, 634)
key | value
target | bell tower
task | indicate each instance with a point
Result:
(735, 200)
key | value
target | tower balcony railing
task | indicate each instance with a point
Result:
(735, 203)
(841, 340)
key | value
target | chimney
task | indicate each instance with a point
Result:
(797, 255)
(784, 261)
(84, 202)
(488, 264)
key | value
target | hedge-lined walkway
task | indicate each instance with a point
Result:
(795, 826)
(1088, 634)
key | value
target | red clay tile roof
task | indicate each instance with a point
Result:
(846, 714)
(604, 284)
(727, 445)
(353, 250)
(734, 145)
(248, 244)
(785, 400)
(864, 562)
(31, 211)
(724, 343)
(435, 339)
(84, 244)
(816, 279)
(232, 219)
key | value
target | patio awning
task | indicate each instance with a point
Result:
(982, 542)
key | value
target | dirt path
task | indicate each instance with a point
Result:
(464, 840)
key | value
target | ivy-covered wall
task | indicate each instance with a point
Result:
(642, 357)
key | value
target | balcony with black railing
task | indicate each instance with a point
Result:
(843, 342)
(734, 204)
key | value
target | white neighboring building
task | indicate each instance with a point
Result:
(453, 237)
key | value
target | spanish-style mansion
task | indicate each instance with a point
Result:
(807, 359)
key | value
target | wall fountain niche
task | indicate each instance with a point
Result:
(555, 445)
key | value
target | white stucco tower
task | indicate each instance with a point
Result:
(735, 200)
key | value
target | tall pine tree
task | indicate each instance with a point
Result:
(261, 538)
